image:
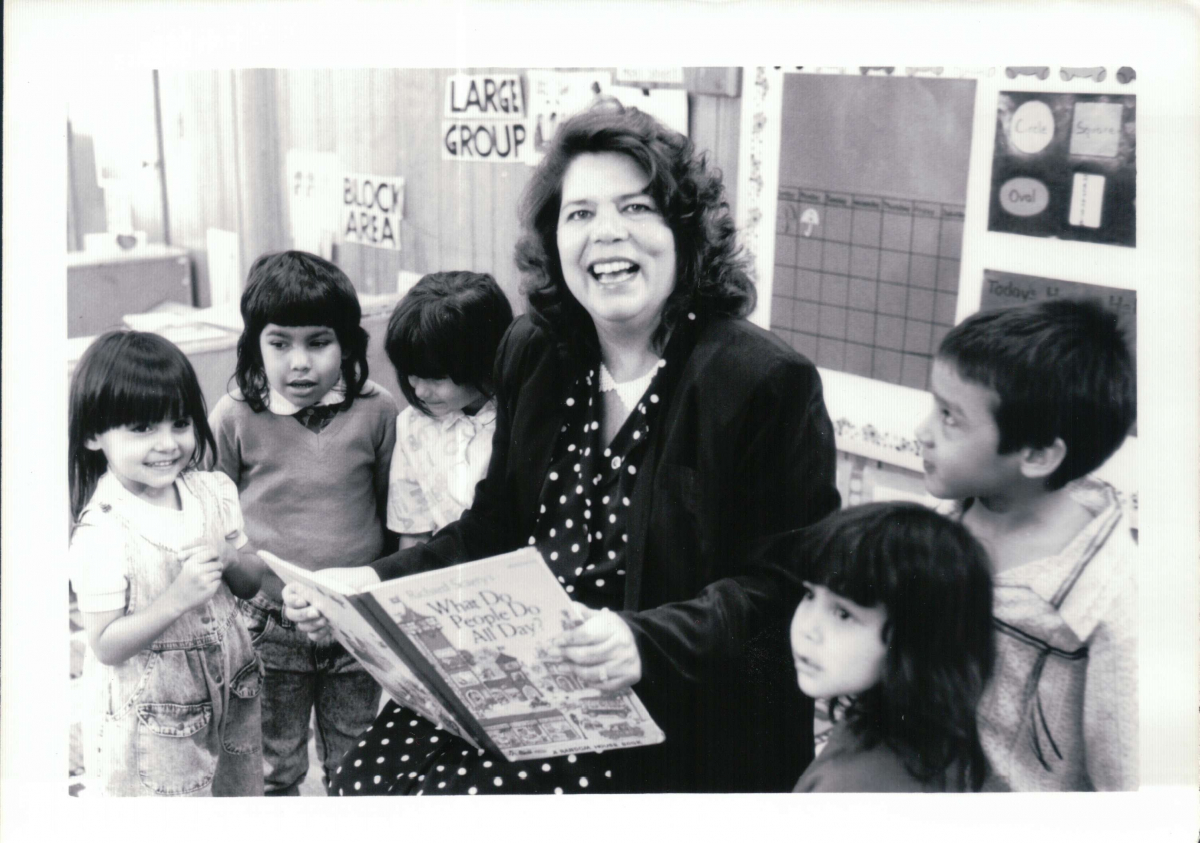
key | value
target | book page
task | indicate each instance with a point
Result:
(485, 627)
(354, 633)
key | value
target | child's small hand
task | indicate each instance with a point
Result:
(298, 608)
(225, 552)
(198, 579)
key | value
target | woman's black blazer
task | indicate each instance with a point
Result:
(743, 450)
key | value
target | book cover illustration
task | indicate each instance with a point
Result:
(485, 627)
(355, 634)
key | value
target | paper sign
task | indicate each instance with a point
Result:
(1006, 289)
(668, 106)
(484, 119)
(371, 210)
(1096, 129)
(484, 95)
(1024, 197)
(1087, 200)
(497, 141)
(1032, 127)
(311, 181)
(555, 96)
(653, 75)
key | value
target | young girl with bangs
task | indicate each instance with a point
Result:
(308, 440)
(442, 340)
(895, 629)
(157, 554)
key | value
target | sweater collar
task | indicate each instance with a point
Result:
(281, 406)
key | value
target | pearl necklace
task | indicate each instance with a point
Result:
(630, 391)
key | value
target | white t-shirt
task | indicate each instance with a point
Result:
(97, 557)
(435, 466)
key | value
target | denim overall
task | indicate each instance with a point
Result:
(180, 718)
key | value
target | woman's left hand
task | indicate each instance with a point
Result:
(602, 650)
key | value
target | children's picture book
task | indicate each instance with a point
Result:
(468, 648)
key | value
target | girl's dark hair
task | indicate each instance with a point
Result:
(296, 289)
(128, 378)
(934, 580)
(448, 325)
(711, 277)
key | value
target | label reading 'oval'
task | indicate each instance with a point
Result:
(1024, 197)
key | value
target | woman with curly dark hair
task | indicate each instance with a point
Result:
(648, 437)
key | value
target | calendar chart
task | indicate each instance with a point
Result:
(865, 284)
(869, 221)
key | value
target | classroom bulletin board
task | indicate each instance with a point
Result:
(873, 203)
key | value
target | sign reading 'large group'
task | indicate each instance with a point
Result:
(484, 118)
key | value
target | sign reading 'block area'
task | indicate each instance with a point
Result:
(372, 207)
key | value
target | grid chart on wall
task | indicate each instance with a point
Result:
(865, 284)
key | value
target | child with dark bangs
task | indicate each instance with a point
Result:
(158, 553)
(442, 340)
(308, 440)
(895, 630)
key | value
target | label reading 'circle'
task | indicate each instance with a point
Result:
(1024, 197)
(1032, 127)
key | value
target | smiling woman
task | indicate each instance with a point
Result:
(617, 252)
(647, 438)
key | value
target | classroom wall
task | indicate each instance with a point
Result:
(226, 135)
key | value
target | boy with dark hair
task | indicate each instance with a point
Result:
(1027, 401)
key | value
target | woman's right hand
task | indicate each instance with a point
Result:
(198, 578)
(298, 607)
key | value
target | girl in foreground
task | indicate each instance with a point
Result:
(157, 555)
(895, 628)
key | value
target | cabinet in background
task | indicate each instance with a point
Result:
(104, 286)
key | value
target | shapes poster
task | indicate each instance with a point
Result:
(1065, 166)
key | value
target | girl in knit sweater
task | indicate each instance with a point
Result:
(308, 440)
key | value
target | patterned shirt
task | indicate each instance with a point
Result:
(582, 523)
(435, 466)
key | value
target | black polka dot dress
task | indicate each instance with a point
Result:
(582, 520)
(405, 755)
(581, 532)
